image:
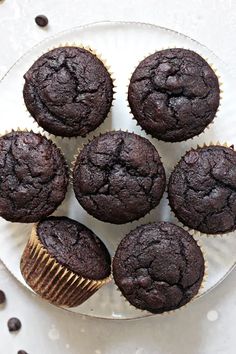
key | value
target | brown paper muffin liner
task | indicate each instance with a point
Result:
(171, 312)
(52, 281)
(192, 231)
(220, 95)
(107, 66)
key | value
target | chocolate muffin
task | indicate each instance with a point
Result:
(33, 177)
(158, 267)
(68, 91)
(202, 189)
(64, 261)
(118, 177)
(174, 94)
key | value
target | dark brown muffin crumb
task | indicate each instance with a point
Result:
(33, 177)
(68, 91)
(75, 246)
(118, 177)
(174, 94)
(158, 267)
(202, 189)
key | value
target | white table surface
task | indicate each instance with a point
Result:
(205, 327)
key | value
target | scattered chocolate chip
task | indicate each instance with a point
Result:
(41, 20)
(14, 324)
(22, 352)
(2, 294)
(232, 146)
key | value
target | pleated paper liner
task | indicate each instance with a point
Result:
(108, 68)
(52, 281)
(190, 230)
(18, 129)
(171, 312)
(38, 131)
(212, 67)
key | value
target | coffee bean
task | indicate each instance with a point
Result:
(14, 324)
(41, 20)
(2, 297)
(21, 352)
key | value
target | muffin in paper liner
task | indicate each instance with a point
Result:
(28, 218)
(98, 55)
(195, 297)
(79, 150)
(172, 312)
(191, 231)
(221, 92)
(53, 281)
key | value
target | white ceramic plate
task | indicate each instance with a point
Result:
(123, 45)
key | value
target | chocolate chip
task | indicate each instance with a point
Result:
(2, 294)
(22, 352)
(14, 324)
(144, 282)
(41, 20)
(191, 158)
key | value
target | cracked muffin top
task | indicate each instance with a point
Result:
(158, 267)
(68, 91)
(202, 189)
(33, 177)
(75, 246)
(118, 177)
(174, 94)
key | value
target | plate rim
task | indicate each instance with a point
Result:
(113, 23)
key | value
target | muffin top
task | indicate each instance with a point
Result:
(118, 177)
(202, 189)
(33, 176)
(158, 267)
(68, 91)
(74, 246)
(174, 94)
